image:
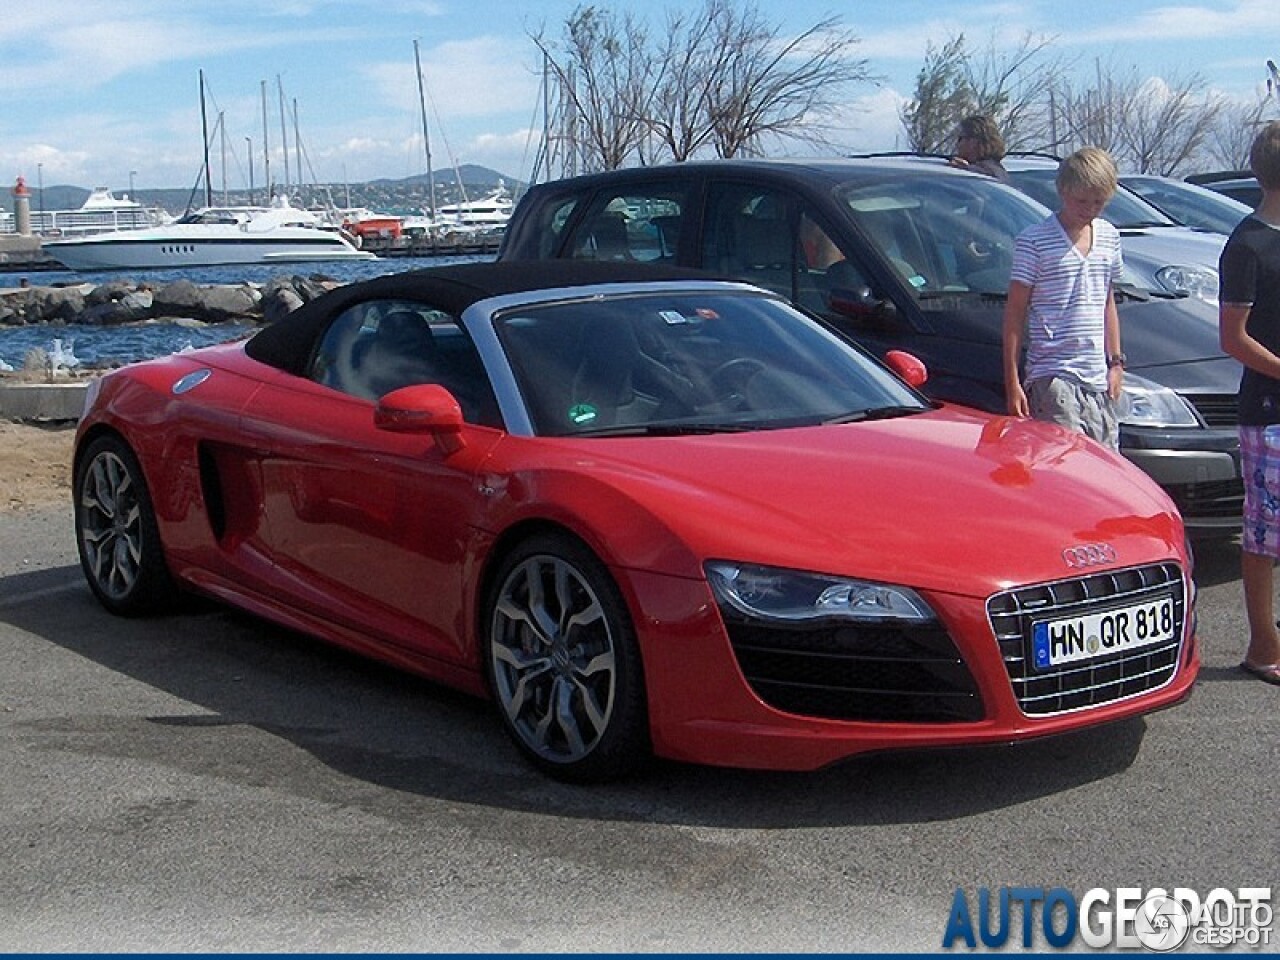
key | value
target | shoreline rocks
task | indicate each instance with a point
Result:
(119, 303)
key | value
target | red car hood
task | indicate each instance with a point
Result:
(949, 500)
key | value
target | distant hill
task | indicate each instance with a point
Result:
(406, 195)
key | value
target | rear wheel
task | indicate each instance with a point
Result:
(116, 533)
(563, 662)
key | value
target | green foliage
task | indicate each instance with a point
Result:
(944, 96)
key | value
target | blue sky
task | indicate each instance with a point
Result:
(99, 92)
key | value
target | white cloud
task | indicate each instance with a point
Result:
(1243, 19)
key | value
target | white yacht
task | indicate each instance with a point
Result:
(101, 212)
(491, 212)
(212, 236)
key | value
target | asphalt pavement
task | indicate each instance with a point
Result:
(208, 782)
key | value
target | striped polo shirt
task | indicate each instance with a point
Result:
(1065, 321)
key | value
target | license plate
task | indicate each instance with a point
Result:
(1070, 639)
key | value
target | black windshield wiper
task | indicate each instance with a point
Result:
(666, 429)
(876, 413)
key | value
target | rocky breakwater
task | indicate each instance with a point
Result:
(119, 303)
(50, 386)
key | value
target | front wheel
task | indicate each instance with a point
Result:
(116, 533)
(563, 662)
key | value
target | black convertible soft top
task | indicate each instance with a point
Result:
(288, 343)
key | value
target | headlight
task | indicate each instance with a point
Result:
(1198, 282)
(770, 593)
(1147, 404)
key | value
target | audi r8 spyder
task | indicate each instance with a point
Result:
(645, 512)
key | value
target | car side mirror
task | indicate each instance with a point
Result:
(907, 366)
(422, 408)
(860, 303)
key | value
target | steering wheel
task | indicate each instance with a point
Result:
(732, 377)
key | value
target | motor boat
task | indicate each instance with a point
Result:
(490, 213)
(213, 236)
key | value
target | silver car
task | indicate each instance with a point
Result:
(1159, 253)
(1188, 203)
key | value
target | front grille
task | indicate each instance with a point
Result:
(1216, 499)
(1215, 409)
(1102, 679)
(849, 672)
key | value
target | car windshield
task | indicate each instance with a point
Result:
(669, 363)
(1125, 210)
(1191, 205)
(944, 235)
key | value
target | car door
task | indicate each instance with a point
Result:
(370, 528)
(773, 237)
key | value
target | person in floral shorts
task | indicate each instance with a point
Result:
(1249, 328)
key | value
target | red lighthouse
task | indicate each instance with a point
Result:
(22, 208)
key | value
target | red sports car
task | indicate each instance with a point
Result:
(644, 512)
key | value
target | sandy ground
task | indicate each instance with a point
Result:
(35, 464)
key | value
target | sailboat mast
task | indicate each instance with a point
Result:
(297, 142)
(266, 148)
(204, 130)
(222, 144)
(284, 134)
(426, 139)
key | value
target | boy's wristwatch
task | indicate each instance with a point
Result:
(1116, 360)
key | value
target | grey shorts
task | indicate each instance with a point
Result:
(1065, 402)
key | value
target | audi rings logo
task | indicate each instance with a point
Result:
(1089, 555)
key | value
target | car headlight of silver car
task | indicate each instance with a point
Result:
(775, 594)
(1144, 403)
(1198, 282)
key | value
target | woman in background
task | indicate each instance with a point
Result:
(980, 147)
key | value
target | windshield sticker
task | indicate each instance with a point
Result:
(673, 317)
(581, 413)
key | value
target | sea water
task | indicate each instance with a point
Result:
(98, 346)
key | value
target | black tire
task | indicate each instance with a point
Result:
(556, 631)
(116, 534)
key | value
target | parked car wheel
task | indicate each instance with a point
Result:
(563, 662)
(116, 534)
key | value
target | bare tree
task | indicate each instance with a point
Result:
(1093, 116)
(1234, 126)
(723, 79)
(607, 74)
(769, 86)
(1166, 124)
(1149, 125)
(695, 61)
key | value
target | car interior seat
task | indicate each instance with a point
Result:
(765, 253)
(400, 352)
(607, 239)
(603, 391)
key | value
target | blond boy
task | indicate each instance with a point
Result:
(1061, 307)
